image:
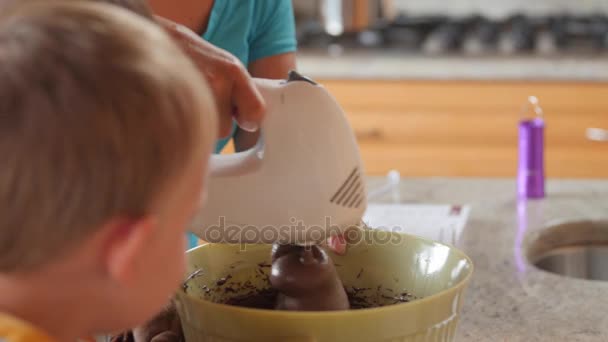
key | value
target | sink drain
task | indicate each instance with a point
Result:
(573, 249)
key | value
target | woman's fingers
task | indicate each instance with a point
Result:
(249, 103)
(167, 336)
(235, 92)
(338, 244)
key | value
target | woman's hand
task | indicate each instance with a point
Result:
(165, 327)
(352, 236)
(235, 93)
(337, 244)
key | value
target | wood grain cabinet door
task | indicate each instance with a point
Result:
(470, 128)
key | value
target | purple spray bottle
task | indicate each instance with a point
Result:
(531, 170)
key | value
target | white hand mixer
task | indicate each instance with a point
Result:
(302, 181)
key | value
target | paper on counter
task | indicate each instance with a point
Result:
(442, 223)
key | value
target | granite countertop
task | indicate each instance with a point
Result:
(509, 299)
(397, 66)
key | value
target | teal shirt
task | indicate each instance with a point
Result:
(251, 30)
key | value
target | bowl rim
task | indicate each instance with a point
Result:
(453, 290)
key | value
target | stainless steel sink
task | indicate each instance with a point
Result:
(573, 249)
(586, 262)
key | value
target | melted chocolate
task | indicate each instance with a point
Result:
(306, 280)
(263, 299)
(359, 298)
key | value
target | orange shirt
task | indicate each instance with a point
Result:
(12, 329)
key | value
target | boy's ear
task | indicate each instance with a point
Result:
(125, 247)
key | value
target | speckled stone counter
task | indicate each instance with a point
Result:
(509, 299)
(401, 66)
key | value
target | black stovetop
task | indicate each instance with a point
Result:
(518, 34)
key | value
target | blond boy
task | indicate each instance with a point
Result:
(105, 132)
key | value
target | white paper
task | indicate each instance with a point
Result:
(442, 223)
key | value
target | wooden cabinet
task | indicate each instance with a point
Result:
(470, 128)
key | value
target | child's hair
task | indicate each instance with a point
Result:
(137, 6)
(99, 110)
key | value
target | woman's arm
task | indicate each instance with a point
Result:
(274, 67)
(272, 46)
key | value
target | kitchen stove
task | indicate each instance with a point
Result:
(474, 35)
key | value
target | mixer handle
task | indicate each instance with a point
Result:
(246, 162)
(241, 163)
(237, 164)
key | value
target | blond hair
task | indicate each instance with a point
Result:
(137, 6)
(99, 109)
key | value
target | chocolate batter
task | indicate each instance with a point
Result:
(306, 280)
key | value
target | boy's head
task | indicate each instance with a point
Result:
(105, 131)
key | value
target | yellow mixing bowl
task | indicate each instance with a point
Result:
(386, 265)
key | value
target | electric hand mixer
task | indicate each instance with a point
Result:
(307, 169)
(302, 181)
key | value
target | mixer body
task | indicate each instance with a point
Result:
(301, 183)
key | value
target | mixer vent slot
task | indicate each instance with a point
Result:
(350, 194)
